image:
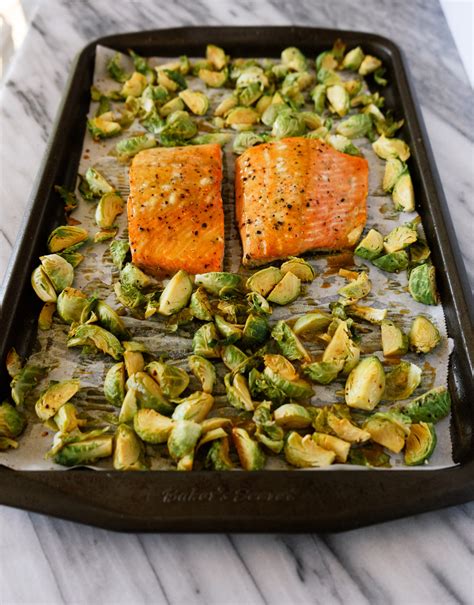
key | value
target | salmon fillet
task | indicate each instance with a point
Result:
(175, 213)
(296, 195)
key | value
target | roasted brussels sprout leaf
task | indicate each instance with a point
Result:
(172, 380)
(25, 381)
(422, 284)
(148, 393)
(369, 455)
(365, 384)
(401, 381)
(432, 406)
(85, 450)
(97, 337)
(420, 443)
(304, 452)
(54, 397)
(389, 429)
(424, 335)
(289, 344)
(204, 371)
(250, 453)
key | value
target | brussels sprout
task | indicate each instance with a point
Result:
(401, 381)
(420, 443)
(129, 296)
(176, 294)
(217, 457)
(323, 372)
(105, 234)
(238, 393)
(134, 86)
(369, 64)
(258, 304)
(288, 123)
(204, 371)
(303, 452)
(312, 121)
(424, 335)
(250, 454)
(422, 284)
(318, 95)
(119, 250)
(171, 107)
(13, 363)
(114, 384)
(333, 444)
(373, 316)
(218, 138)
(256, 330)
(200, 306)
(300, 268)
(70, 305)
(42, 285)
(114, 69)
(342, 144)
(148, 393)
(342, 348)
(242, 118)
(391, 148)
(154, 124)
(263, 104)
(235, 359)
(134, 362)
(292, 416)
(66, 419)
(280, 365)
(260, 387)
(195, 407)
(355, 126)
(205, 341)
(248, 95)
(84, 448)
(267, 432)
(100, 128)
(419, 253)
(182, 65)
(354, 87)
(172, 380)
(127, 148)
(264, 281)
(215, 282)
(288, 343)
(216, 56)
(12, 421)
(128, 450)
(66, 236)
(346, 430)
(371, 246)
(353, 59)
(399, 238)
(179, 127)
(312, 323)
(294, 388)
(244, 140)
(96, 336)
(432, 406)
(54, 397)
(197, 102)
(365, 384)
(213, 79)
(272, 112)
(338, 98)
(132, 276)
(393, 171)
(394, 341)
(228, 331)
(357, 288)
(403, 195)
(110, 320)
(73, 258)
(226, 105)
(389, 429)
(24, 381)
(231, 311)
(393, 262)
(293, 59)
(372, 455)
(45, 318)
(129, 406)
(182, 441)
(97, 184)
(287, 290)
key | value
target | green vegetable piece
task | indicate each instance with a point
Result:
(205, 341)
(179, 128)
(66, 236)
(228, 331)
(393, 262)
(272, 112)
(134, 86)
(371, 246)
(134, 362)
(419, 253)
(213, 79)
(54, 397)
(394, 341)
(238, 393)
(393, 171)
(292, 416)
(200, 306)
(110, 320)
(323, 372)
(342, 348)
(342, 144)
(432, 406)
(12, 421)
(58, 270)
(264, 281)
(267, 432)
(91, 335)
(97, 184)
(370, 455)
(303, 452)
(401, 381)
(69, 198)
(218, 456)
(244, 140)
(318, 95)
(119, 251)
(242, 118)
(234, 358)
(299, 267)
(101, 128)
(389, 429)
(355, 127)
(171, 106)
(172, 380)
(387, 148)
(216, 56)
(312, 120)
(288, 123)
(129, 407)
(403, 194)
(128, 450)
(256, 330)
(287, 290)
(312, 323)
(176, 294)
(148, 393)
(218, 138)
(129, 296)
(420, 443)
(108, 208)
(215, 282)
(204, 371)
(141, 65)
(127, 148)
(86, 451)
(114, 69)
(258, 304)
(369, 64)
(182, 441)
(132, 276)
(114, 384)
(400, 238)
(42, 286)
(288, 343)
(338, 99)
(13, 363)
(370, 314)
(357, 288)
(295, 388)
(24, 381)
(422, 284)
(195, 407)
(250, 453)
(424, 335)
(66, 419)
(196, 101)
(293, 59)
(353, 59)
(346, 430)
(365, 384)
(333, 444)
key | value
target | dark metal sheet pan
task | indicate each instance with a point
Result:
(242, 501)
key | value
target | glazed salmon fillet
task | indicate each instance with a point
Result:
(175, 213)
(296, 195)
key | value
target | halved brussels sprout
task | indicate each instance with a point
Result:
(401, 381)
(13, 363)
(303, 452)
(323, 372)
(134, 86)
(432, 406)
(244, 140)
(287, 290)
(119, 250)
(58, 270)
(134, 362)
(260, 387)
(128, 450)
(399, 238)
(355, 126)
(70, 305)
(217, 457)
(369, 64)
(393, 262)
(231, 311)
(295, 388)
(226, 105)
(318, 95)
(242, 118)
(394, 168)
(228, 331)
(354, 87)
(238, 393)
(212, 435)
(271, 113)
(391, 148)
(292, 416)
(370, 314)
(372, 455)
(195, 407)
(24, 381)
(353, 59)
(132, 276)
(200, 306)
(204, 371)
(258, 304)
(195, 100)
(179, 128)
(248, 95)
(394, 341)
(12, 421)
(312, 120)
(171, 79)
(333, 444)
(182, 441)
(129, 406)
(110, 320)
(312, 323)
(420, 443)
(85, 450)
(293, 59)
(357, 288)
(280, 365)
(43, 286)
(300, 268)
(215, 282)
(389, 429)
(115, 70)
(114, 384)
(66, 236)
(235, 359)
(250, 453)
(342, 348)
(342, 144)
(424, 335)
(288, 343)
(129, 296)
(172, 380)
(171, 106)
(213, 79)
(176, 294)
(148, 393)
(218, 138)
(96, 336)
(419, 253)
(127, 148)
(422, 284)
(101, 128)
(371, 246)
(288, 123)
(267, 432)
(256, 330)
(216, 56)
(338, 98)
(105, 234)
(263, 104)
(66, 419)
(97, 184)
(403, 194)
(264, 281)
(205, 341)
(365, 384)
(54, 397)
(346, 430)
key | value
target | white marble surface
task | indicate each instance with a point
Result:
(424, 559)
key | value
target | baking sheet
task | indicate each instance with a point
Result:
(96, 275)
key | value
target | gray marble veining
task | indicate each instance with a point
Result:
(424, 559)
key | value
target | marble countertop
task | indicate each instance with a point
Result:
(423, 559)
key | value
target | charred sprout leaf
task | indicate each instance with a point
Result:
(303, 452)
(432, 406)
(13, 363)
(129, 453)
(127, 148)
(419, 253)
(204, 371)
(370, 314)
(401, 381)
(114, 384)
(251, 455)
(54, 397)
(235, 359)
(371, 246)
(69, 198)
(172, 380)
(300, 268)
(25, 381)
(195, 407)
(42, 286)
(100, 128)
(369, 455)
(148, 393)
(287, 290)
(215, 282)
(403, 194)
(176, 294)
(389, 429)
(45, 318)
(182, 441)
(205, 341)
(58, 270)
(424, 335)
(114, 69)
(323, 372)
(91, 335)
(85, 451)
(288, 343)
(387, 148)
(292, 416)
(422, 284)
(420, 443)
(365, 384)
(238, 393)
(393, 262)
(119, 250)
(12, 421)
(394, 341)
